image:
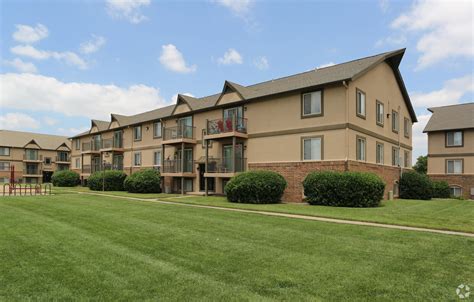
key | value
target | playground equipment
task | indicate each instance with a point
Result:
(23, 190)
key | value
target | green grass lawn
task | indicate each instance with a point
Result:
(82, 247)
(450, 214)
(65, 190)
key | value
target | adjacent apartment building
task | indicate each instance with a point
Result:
(451, 147)
(32, 157)
(354, 116)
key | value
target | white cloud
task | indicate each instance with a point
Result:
(92, 45)
(261, 63)
(446, 29)
(69, 57)
(21, 66)
(18, 121)
(384, 5)
(326, 65)
(420, 139)
(231, 56)
(49, 121)
(172, 59)
(451, 93)
(127, 9)
(28, 34)
(392, 40)
(42, 93)
(238, 7)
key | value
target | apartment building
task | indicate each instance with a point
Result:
(451, 147)
(354, 116)
(32, 157)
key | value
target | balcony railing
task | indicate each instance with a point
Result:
(110, 143)
(91, 146)
(225, 165)
(63, 158)
(176, 166)
(118, 167)
(62, 167)
(32, 171)
(178, 132)
(88, 169)
(33, 157)
(227, 125)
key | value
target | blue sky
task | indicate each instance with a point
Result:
(63, 63)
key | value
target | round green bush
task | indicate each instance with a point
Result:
(144, 181)
(440, 189)
(113, 180)
(65, 178)
(343, 189)
(256, 187)
(414, 185)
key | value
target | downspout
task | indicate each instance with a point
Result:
(346, 163)
(131, 153)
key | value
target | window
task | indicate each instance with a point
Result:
(406, 127)
(379, 153)
(157, 129)
(312, 103)
(4, 166)
(360, 103)
(4, 180)
(4, 151)
(78, 163)
(454, 166)
(137, 159)
(312, 148)
(157, 158)
(77, 144)
(47, 160)
(454, 139)
(379, 113)
(137, 133)
(395, 156)
(395, 122)
(188, 185)
(360, 148)
(406, 159)
(31, 154)
(455, 191)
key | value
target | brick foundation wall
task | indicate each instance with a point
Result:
(464, 181)
(295, 172)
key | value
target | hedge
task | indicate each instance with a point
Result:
(113, 180)
(144, 181)
(65, 178)
(440, 189)
(343, 189)
(256, 187)
(414, 185)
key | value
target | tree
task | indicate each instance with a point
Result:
(421, 165)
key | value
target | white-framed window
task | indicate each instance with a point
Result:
(455, 191)
(395, 156)
(4, 151)
(312, 148)
(77, 143)
(406, 127)
(454, 166)
(395, 121)
(360, 103)
(157, 158)
(454, 139)
(313, 103)
(137, 133)
(361, 148)
(406, 159)
(379, 112)
(379, 153)
(4, 166)
(137, 159)
(78, 163)
(157, 129)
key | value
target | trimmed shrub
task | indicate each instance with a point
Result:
(256, 187)
(65, 178)
(343, 189)
(440, 189)
(144, 181)
(414, 185)
(113, 180)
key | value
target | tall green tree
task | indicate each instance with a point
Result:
(421, 165)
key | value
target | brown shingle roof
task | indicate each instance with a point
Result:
(18, 139)
(451, 117)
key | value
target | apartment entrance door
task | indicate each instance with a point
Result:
(202, 180)
(47, 176)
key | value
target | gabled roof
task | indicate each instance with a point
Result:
(18, 139)
(101, 125)
(451, 117)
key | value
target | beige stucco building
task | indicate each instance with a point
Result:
(32, 157)
(352, 116)
(451, 147)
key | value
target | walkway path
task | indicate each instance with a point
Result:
(296, 216)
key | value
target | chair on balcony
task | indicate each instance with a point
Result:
(228, 124)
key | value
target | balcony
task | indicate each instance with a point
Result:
(112, 144)
(91, 147)
(118, 167)
(63, 159)
(32, 158)
(32, 172)
(177, 168)
(179, 134)
(223, 167)
(89, 169)
(228, 127)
